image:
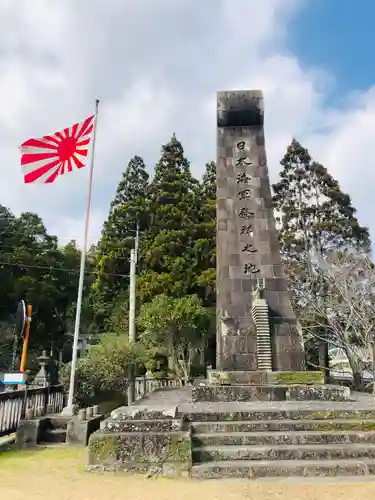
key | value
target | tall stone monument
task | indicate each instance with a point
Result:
(247, 242)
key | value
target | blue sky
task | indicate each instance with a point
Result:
(338, 35)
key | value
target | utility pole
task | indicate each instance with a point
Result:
(132, 297)
(133, 274)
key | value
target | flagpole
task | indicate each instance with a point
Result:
(69, 410)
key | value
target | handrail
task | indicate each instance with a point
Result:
(42, 400)
(50, 400)
(143, 386)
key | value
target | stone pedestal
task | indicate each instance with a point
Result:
(245, 386)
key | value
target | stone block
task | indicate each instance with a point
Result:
(246, 377)
(7, 443)
(285, 452)
(238, 393)
(295, 377)
(78, 432)
(221, 393)
(282, 438)
(301, 468)
(171, 425)
(28, 434)
(288, 361)
(318, 393)
(219, 377)
(346, 427)
(143, 412)
(149, 452)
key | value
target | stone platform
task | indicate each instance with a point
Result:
(171, 435)
(240, 393)
(227, 386)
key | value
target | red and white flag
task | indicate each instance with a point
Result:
(44, 159)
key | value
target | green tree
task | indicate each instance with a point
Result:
(69, 261)
(169, 255)
(205, 244)
(176, 328)
(8, 240)
(128, 209)
(35, 269)
(35, 263)
(314, 214)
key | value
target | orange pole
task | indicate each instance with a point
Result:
(26, 339)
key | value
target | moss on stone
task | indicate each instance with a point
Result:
(179, 449)
(102, 446)
(295, 378)
(361, 425)
(221, 378)
(332, 415)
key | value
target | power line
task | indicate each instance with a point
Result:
(51, 268)
(59, 249)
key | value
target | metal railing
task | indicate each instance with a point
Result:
(14, 405)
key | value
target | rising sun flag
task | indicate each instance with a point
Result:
(43, 160)
(46, 158)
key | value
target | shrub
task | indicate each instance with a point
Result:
(104, 369)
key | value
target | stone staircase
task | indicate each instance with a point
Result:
(270, 444)
(53, 431)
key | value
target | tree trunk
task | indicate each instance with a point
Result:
(324, 360)
(357, 369)
(358, 382)
(373, 366)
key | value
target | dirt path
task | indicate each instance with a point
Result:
(58, 474)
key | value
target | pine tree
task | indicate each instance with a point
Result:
(314, 214)
(169, 255)
(209, 182)
(206, 248)
(205, 245)
(128, 209)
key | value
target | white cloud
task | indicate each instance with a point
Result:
(156, 66)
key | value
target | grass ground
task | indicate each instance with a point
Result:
(58, 473)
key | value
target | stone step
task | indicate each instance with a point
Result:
(283, 452)
(58, 422)
(111, 425)
(44, 444)
(53, 436)
(283, 438)
(159, 411)
(282, 425)
(284, 468)
(289, 414)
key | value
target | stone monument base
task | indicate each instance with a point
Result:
(170, 435)
(242, 393)
(225, 377)
(244, 386)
